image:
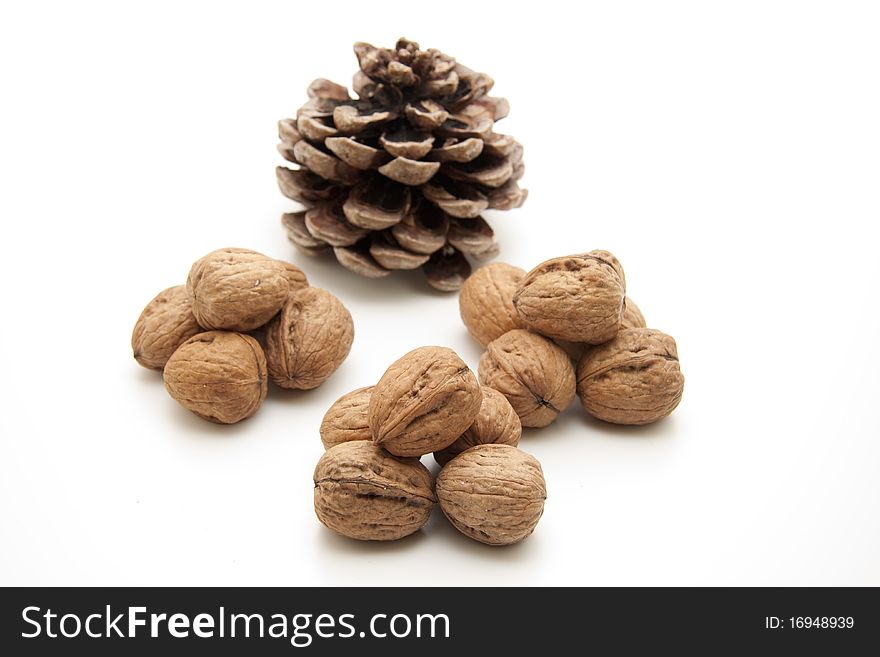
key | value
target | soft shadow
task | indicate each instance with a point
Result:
(442, 530)
(438, 528)
(576, 424)
(150, 377)
(660, 430)
(472, 352)
(197, 428)
(277, 394)
(332, 542)
(430, 462)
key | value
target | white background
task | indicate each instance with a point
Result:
(728, 153)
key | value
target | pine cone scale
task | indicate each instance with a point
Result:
(376, 206)
(327, 224)
(488, 172)
(358, 259)
(324, 164)
(388, 253)
(426, 114)
(295, 225)
(409, 172)
(407, 143)
(357, 154)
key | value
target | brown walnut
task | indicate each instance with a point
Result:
(535, 375)
(576, 298)
(493, 493)
(363, 492)
(632, 316)
(218, 375)
(296, 277)
(486, 301)
(236, 289)
(496, 423)
(308, 340)
(423, 402)
(634, 379)
(574, 350)
(346, 419)
(165, 324)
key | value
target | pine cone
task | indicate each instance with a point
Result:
(397, 177)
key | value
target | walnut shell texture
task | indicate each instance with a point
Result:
(237, 289)
(346, 419)
(493, 493)
(575, 298)
(363, 492)
(423, 402)
(296, 277)
(634, 379)
(632, 316)
(486, 301)
(309, 339)
(535, 375)
(165, 324)
(496, 422)
(218, 375)
(575, 350)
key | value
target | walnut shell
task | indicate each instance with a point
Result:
(486, 301)
(493, 493)
(296, 277)
(574, 350)
(218, 375)
(308, 340)
(496, 422)
(535, 375)
(165, 324)
(423, 402)
(576, 298)
(610, 259)
(632, 316)
(634, 379)
(236, 289)
(346, 419)
(363, 492)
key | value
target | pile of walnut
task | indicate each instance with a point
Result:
(241, 318)
(370, 484)
(568, 327)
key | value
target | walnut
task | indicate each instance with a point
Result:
(574, 350)
(496, 422)
(363, 492)
(493, 493)
(346, 419)
(486, 301)
(576, 298)
(632, 316)
(296, 277)
(236, 289)
(534, 374)
(634, 379)
(308, 340)
(423, 402)
(218, 375)
(165, 324)
(610, 259)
